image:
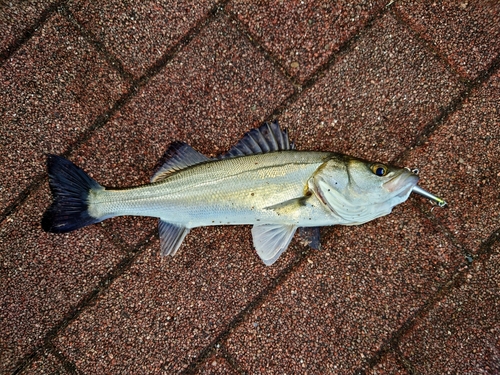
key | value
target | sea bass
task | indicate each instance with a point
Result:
(262, 181)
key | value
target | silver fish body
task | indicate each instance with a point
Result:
(231, 191)
(263, 181)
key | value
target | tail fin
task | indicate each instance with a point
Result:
(70, 188)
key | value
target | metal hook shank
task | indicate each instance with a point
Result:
(425, 193)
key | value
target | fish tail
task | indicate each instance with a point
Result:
(70, 188)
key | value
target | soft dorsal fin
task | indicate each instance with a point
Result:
(179, 156)
(267, 138)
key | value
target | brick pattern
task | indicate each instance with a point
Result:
(111, 84)
(464, 33)
(64, 86)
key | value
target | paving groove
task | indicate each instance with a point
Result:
(222, 343)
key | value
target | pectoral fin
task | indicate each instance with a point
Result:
(171, 237)
(289, 206)
(270, 240)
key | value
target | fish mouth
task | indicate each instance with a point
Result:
(402, 184)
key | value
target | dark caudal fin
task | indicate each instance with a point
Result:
(70, 188)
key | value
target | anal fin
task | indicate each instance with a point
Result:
(271, 240)
(171, 237)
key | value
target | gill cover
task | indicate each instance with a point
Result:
(357, 191)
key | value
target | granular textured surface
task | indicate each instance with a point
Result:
(378, 97)
(217, 365)
(388, 365)
(357, 291)
(47, 364)
(44, 276)
(304, 34)
(163, 324)
(465, 33)
(64, 87)
(140, 33)
(462, 158)
(467, 320)
(109, 85)
(18, 20)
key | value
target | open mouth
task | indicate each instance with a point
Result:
(402, 184)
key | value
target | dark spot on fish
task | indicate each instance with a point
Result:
(252, 194)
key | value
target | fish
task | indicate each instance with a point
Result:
(263, 181)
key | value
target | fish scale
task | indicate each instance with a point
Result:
(237, 188)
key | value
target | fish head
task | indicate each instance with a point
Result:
(358, 191)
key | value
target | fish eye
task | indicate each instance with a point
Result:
(379, 169)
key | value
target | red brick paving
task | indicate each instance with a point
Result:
(161, 313)
(111, 85)
(217, 366)
(44, 277)
(45, 365)
(388, 365)
(337, 310)
(139, 34)
(460, 160)
(53, 88)
(464, 321)
(465, 33)
(19, 20)
(303, 34)
(376, 99)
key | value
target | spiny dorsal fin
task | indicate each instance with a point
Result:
(267, 138)
(179, 156)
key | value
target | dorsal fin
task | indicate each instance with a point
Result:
(267, 138)
(179, 155)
